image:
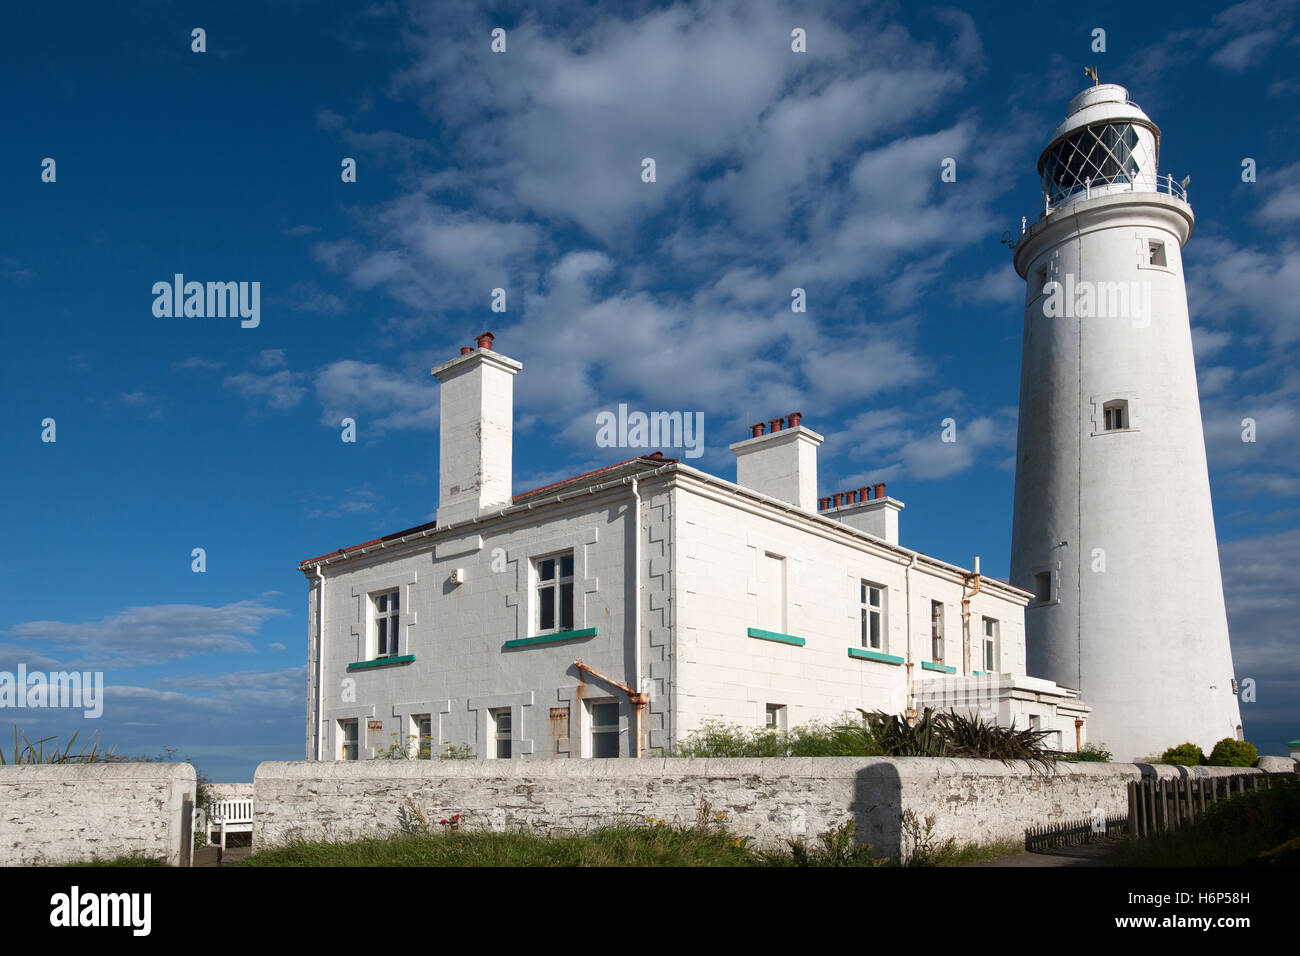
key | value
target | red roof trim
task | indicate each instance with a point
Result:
(657, 458)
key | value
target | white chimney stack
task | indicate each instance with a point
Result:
(475, 432)
(781, 463)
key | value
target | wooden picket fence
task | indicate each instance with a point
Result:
(1075, 832)
(1157, 806)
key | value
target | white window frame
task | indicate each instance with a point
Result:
(774, 717)
(989, 645)
(419, 724)
(868, 610)
(498, 736)
(615, 729)
(938, 637)
(390, 616)
(1132, 421)
(1144, 252)
(343, 725)
(1053, 571)
(557, 585)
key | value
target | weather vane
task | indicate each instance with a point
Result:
(1092, 72)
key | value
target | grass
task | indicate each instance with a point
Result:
(656, 844)
(126, 859)
(609, 846)
(1256, 828)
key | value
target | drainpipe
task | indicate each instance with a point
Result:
(637, 700)
(911, 684)
(965, 613)
(636, 611)
(320, 662)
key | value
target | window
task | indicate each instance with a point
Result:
(936, 631)
(1043, 586)
(604, 728)
(387, 617)
(990, 644)
(554, 593)
(1156, 253)
(348, 731)
(1115, 415)
(423, 726)
(873, 616)
(775, 719)
(1095, 156)
(501, 732)
(771, 592)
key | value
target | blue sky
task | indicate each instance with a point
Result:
(522, 171)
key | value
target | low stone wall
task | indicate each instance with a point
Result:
(770, 800)
(62, 813)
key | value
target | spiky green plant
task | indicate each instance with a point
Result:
(31, 752)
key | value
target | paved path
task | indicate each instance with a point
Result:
(1089, 854)
(207, 856)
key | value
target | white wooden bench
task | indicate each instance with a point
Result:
(230, 816)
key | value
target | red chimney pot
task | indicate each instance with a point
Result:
(864, 493)
(880, 490)
(795, 418)
(484, 341)
(756, 430)
(850, 497)
(776, 423)
(465, 350)
(839, 498)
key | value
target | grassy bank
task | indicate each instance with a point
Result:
(1257, 828)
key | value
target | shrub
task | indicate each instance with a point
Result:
(814, 739)
(1233, 753)
(1186, 755)
(1091, 752)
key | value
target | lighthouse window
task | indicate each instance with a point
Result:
(1156, 255)
(1116, 415)
(1094, 156)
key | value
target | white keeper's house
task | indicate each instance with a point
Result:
(614, 612)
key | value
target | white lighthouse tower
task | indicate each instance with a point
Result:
(1113, 528)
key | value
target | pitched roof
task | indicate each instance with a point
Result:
(656, 458)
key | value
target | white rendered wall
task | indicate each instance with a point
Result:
(725, 675)
(1145, 639)
(475, 434)
(458, 632)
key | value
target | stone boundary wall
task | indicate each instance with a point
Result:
(63, 813)
(769, 799)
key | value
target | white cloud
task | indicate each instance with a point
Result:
(376, 396)
(151, 634)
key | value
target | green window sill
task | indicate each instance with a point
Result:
(774, 636)
(865, 655)
(551, 638)
(382, 662)
(941, 668)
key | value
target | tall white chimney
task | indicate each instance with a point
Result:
(475, 432)
(781, 463)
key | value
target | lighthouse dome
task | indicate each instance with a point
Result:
(1104, 144)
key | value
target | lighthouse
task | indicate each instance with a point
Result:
(1113, 529)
